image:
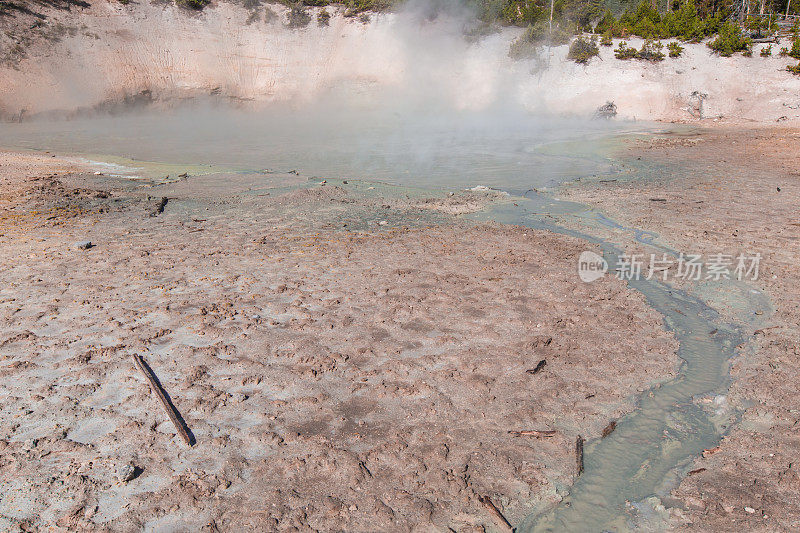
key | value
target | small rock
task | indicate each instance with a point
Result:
(98, 173)
(383, 223)
(238, 397)
(750, 510)
(90, 511)
(344, 182)
(84, 245)
(606, 111)
(127, 473)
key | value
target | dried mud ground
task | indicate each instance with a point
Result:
(347, 358)
(730, 191)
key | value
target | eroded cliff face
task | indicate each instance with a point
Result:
(108, 53)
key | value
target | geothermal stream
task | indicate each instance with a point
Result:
(644, 456)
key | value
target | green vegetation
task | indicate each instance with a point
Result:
(651, 51)
(623, 51)
(298, 17)
(538, 34)
(766, 51)
(794, 69)
(196, 5)
(730, 40)
(353, 7)
(583, 49)
(687, 20)
(795, 51)
(674, 49)
(645, 21)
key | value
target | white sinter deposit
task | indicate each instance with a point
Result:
(111, 51)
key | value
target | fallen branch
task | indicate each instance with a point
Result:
(533, 433)
(174, 415)
(609, 429)
(538, 368)
(160, 207)
(485, 500)
(579, 454)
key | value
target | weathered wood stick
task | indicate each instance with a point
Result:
(160, 207)
(173, 413)
(609, 429)
(533, 433)
(538, 368)
(579, 454)
(485, 500)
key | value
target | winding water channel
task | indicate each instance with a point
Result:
(652, 445)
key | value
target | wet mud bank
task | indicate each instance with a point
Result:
(347, 355)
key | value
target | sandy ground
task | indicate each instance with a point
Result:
(345, 360)
(728, 191)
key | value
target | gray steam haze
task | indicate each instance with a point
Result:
(410, 97)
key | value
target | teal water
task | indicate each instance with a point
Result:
(652, 446)
(436, 148)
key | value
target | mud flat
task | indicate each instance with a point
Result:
(731, 191)
(347, 355)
